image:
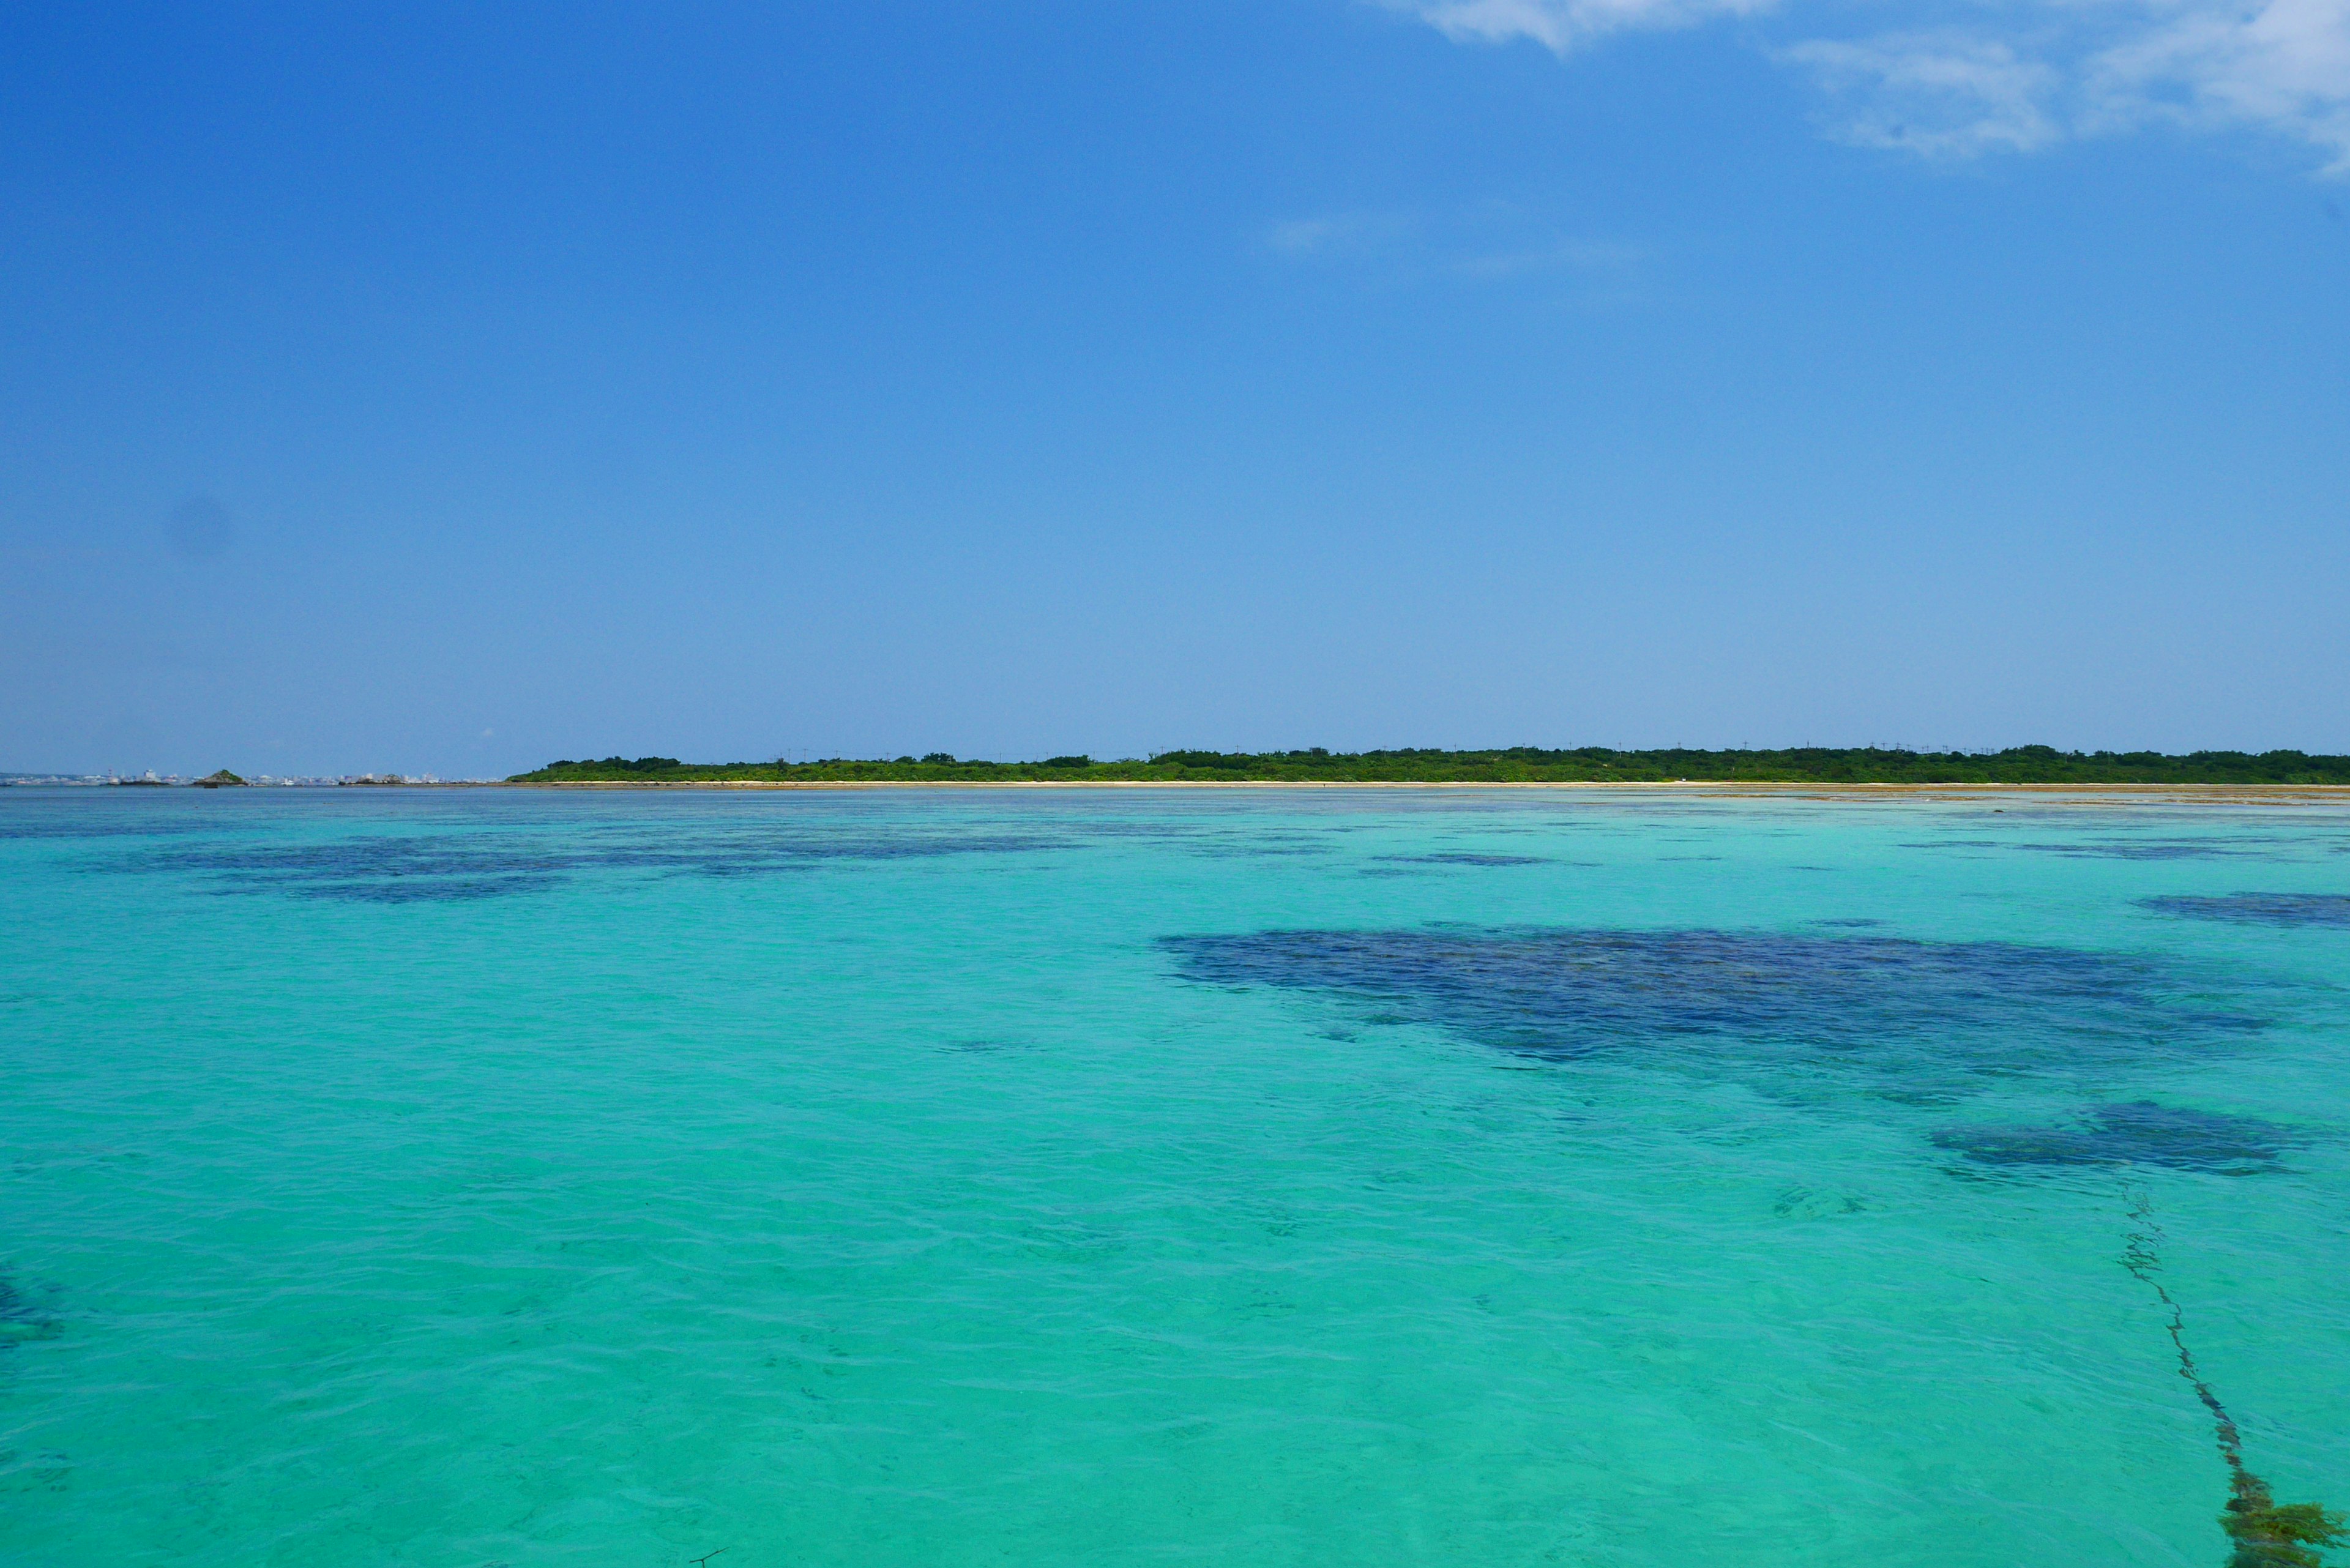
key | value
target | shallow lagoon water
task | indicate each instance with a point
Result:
(1151, 1177)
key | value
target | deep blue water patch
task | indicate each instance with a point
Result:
(2259, 908)
(2140, 1133)
(391, 869)
(1912, 1018)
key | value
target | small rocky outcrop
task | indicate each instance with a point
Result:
(219, 779)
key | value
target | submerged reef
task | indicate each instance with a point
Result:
(1922, 1014)
(2236, 846)
(2140, 1133)
(2143, 849)
(2258, 909)
(388, 868)
(1914, 1020)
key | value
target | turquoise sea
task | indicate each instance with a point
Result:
(1155, 1177)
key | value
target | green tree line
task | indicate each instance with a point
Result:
(1514, 765)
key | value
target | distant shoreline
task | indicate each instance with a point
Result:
(2340, 793)
(2280, 793)
(1831, 767)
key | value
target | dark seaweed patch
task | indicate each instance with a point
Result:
(1919, 1015)
(22, 1316)
(386, 869)
(2139, 850)
(1253, 851)
(2265, 1533)
(2140, 1133)
(2259, 908)
(1461, 858)
(2226, 1022)
(1114, 828)
(92, 826)
(2111, 849)
(438, 889)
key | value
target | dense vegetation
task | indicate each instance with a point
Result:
(1516, 764)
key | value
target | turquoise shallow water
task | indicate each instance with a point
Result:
(1381, 1176)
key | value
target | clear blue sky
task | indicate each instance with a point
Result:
(456, 388)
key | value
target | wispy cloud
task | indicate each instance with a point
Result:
(1487, 243)
(1957, 80)
(1940, 94)
(1582, 257)
(1563, 25)
(1339, 234)
(2284, 65)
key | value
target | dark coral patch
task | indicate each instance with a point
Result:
(402, 869)
(2141, 849)
(1913, 1014)
(2116, 848)
(2259, 908)
(2140, 1133)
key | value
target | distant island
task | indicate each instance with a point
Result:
(1516, 764)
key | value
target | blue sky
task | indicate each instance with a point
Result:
(402, 387)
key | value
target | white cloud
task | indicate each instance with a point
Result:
(1563, 256)
(1337, 233)
(1490, 242)
(1304, 237)
(1561, 24)
(1963, 77)
(1940, 94)
(2283, 67)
